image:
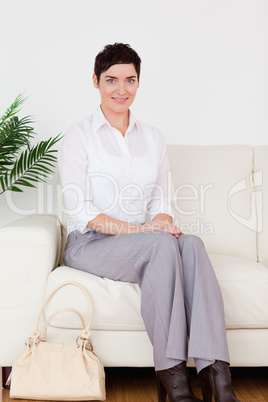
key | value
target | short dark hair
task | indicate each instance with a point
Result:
(118, 53)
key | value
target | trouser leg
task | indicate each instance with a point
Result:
(153, 261)
(179, 291)
(162, 302)
(203, 304)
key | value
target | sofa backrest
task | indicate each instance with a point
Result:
(214, 196)
(261, 187)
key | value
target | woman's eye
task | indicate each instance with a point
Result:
(130, 81)
(111, 81)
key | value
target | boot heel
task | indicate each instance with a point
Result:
(162, 393)
(206, 386)
(216, 381)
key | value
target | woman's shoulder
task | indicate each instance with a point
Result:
(151, 133)
(81, 125)
(79, 131)
(150, 130)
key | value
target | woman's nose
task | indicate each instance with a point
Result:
(121, 90)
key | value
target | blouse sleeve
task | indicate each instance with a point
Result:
(162, 193)
(76, 187)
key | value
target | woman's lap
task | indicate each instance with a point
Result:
(113, 257)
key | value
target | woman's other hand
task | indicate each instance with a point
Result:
(162, 222)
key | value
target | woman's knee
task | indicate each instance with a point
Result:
(158, 238)
(161, 244)
(192, 241)
(166, 240)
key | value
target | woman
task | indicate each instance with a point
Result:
(113, 168)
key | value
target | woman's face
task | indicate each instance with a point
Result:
(118, 86)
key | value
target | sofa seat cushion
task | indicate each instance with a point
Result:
(244, 287)
(116, 305)
(243, 283)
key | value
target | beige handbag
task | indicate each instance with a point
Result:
(58, 371)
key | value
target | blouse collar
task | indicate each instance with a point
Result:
(99, 120)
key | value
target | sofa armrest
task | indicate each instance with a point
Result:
(29, 251)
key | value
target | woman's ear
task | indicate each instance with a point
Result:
(95, 81)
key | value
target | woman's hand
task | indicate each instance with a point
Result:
(162, 225)
(161, 222)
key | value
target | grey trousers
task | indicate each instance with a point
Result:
(181, 302)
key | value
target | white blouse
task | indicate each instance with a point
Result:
(103, 171)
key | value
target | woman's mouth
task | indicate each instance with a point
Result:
(120, 100)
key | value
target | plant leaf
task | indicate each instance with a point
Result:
(31, 166)
(20, 163)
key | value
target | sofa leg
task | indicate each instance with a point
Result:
(5, 374)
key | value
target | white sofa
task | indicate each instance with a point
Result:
(221, 194)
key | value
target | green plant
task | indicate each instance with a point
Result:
(20, 163)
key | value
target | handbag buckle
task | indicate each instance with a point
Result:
(86, 342)
(88, 345)
(30, 342)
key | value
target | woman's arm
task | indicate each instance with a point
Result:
(162, 193)
(159, 208)
(76, 187)
(106, 224)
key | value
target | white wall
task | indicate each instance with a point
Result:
(204, 67)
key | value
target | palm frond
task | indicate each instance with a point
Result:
(13, 109)
(17, 127)
(33, 165)
(15, 134)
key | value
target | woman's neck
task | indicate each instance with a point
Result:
(120, 121)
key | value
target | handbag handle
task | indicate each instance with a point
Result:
(62, 310)
(86, 332)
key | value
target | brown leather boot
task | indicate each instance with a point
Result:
(216, 382)
(176, 383)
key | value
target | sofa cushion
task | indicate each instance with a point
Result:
(117, 304)
(214, 198)
(244, 286)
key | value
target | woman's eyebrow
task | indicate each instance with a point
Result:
(111, 76)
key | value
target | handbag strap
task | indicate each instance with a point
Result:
(86, 332)
(62, 310)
